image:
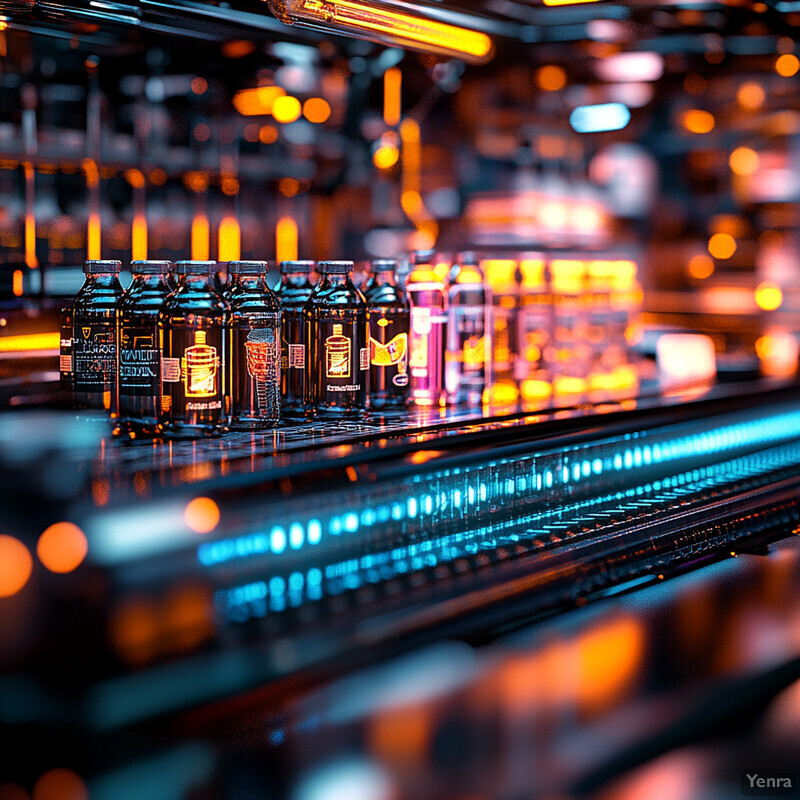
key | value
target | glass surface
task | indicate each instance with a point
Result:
(427, 335)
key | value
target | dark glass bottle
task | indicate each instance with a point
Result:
(337, 326)
(428, 334)
(94, 336)
(293, 291)
(388, 336)
(139, 393)
(256, 336)
(468, 355)
(192, 331)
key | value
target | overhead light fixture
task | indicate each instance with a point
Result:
(392, 22)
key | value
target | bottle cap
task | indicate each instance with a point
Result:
(383, 265)
(420, 257)
(151, 267)
(102, 267)
(247, 267)
(335, 267)
(195, 267)
(297, 267)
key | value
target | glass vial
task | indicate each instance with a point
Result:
(389, 320)
(502, 276)
(294, 291)
(427, 334)
(139, 396)
(256, 335)
(468, 356)
(337, 326)
(94, 336)
(535, 329)
(193, 339)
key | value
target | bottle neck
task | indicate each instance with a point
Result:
(102, 280)
(383, 277)
(336, 279)
(157, 281)
(249, 283)
(296, 279)
(193, 281)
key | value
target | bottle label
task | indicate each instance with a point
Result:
(297, 356)
(94, 354)
(200, 369)
(257, 373)
(171, 370)
(293, 359)
(337, 354)
(139, 362)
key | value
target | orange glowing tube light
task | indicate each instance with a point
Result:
(139, 238)
(30, 342)
(286, 239)
(200, 237)
(392, 96)
(387, 22)
(230, 239)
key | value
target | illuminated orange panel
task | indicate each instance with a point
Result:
(230, 239)
(200, 238)
(30, 221)
(202, 515)
(392, 96)
(16, 283)
(374, 18)
(93, 235)
(60, 784)
(16, 565)
(30, 342)
(139, 238)
(255, 102)
(62, 547)
(286, 239)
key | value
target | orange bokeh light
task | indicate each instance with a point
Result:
(769, 296)
(316, 109)
(13, 791)
(199, 85)
(743, 161)
(787, 65)
(62, 547)
(289, 187)
(202, 515)
(696, 120)
(750, 96)
(551, 78)
(701, 266)
(60, 784)
(16, 565)
(722, 245)
(267, 134)
(386, 156)
(286, 109)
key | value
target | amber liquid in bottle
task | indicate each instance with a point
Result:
(337, 325)
(293, 292)
(193, 339)
(139, 403)
(94, 336)
(256, 335)
(388, 331)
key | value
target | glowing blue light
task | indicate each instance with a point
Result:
(335, 526)
(601, 117)
(277, 539)
(277, 585)
(397, 511)
(597, 466)
(314, 531)
(509, 486)
(457, 498)
(295, 581)
(470, 495)
(586, 469)
(314, 577)
(351, 522)
(548, 478)
(565, 475)
(412, 507)
(296, 536)
(628, 459)
(427, 504)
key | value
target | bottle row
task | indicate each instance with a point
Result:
(176, 354)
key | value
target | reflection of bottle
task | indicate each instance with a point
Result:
(139, 402)
(337, 323)
(502, 277)
(294, 291)
(194, 359)
(256, 333)
(94, 336)
(468, 366)
(389, 321)
(65, 356)
(535, 328)
(427, 331)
